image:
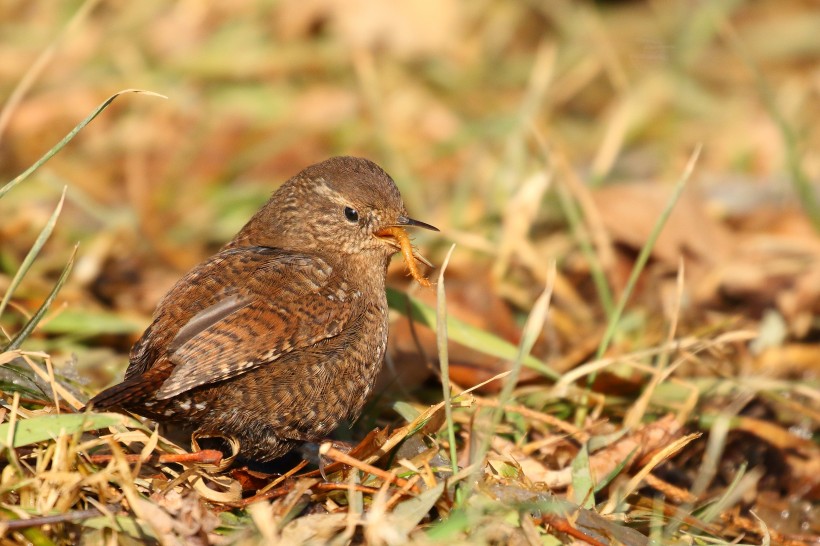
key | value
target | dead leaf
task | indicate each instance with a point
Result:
(630, 211)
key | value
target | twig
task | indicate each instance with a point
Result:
(562, 525)
(403, 492)
(38, 521)
(329, 451)
(288, 487)
(570, 429)
(205, 456)
(283, 477)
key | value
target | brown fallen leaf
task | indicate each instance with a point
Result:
(630, 211)
(801, 454)
(639, 445)
(180, 517)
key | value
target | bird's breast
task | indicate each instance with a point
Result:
(360, 355)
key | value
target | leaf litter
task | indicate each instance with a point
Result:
(588, 455)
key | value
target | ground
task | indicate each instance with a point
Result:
(631, 303)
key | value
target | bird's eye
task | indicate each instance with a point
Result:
(351, 214)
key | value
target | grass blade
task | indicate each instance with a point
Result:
(583, 486)
(532, 329)
(69, 137)
(640, 263)
(26, 331)
(801, 181)
(441, 340)
(643, 257)
(463, 333)
(37, 67)
(576, 226)
(48, 427)
(33, 253)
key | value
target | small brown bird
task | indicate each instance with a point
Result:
(278, 338)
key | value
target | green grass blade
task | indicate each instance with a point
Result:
(532, 329)
(128, 525)
(29, 327)
(444, 362)
(576, 226)
(463, 333)
(48, 427)
(583, 486)
(409, 513)
(803, 185)
(68, 138)
(643, 257)
(33, 535)
(80, 323)
(27, 375)
(33, 253)
(447, 529)
(640, 263)
(726, 499)
(570, 208)
(606, 480)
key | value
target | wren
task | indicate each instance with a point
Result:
(278, 337)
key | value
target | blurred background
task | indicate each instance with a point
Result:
(530, 132)
(501, 121)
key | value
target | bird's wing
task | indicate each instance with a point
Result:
(284, 302)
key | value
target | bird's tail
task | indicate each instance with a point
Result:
(116, 397)
(131, 393)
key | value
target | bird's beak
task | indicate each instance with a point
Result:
(405, 221)
(396, 236)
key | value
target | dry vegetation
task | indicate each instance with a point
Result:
(662, 386)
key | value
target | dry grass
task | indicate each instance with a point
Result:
(663, 386)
